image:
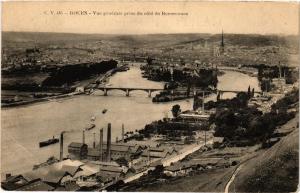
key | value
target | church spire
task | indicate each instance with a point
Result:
(222, 43)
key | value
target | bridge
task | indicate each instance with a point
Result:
(195, 91)
(127, 90)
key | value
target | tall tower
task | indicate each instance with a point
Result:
(222, 44)
(123, 133)
(61, 146)
(101, 145)
(108, 148)
(172, 72)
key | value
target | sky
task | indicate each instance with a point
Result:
(203, 17)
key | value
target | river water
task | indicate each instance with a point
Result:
(22, 128)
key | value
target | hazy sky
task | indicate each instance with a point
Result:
(203, 17)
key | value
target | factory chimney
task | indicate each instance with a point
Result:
(117, 139)
(280, 71)
(203, 97)
(61, 146)
(108, 142)
(101, 145)
(83, 137)
(123, 133)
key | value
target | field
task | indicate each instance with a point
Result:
(209, 181)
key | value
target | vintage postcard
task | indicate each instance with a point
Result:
(150, 96)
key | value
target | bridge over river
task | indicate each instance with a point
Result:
(195, 91)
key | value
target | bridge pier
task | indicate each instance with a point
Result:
(127, 92)
(105, 92)
(219, 95)
(149, 93)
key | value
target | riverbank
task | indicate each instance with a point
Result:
(46, 99)
(85, 83)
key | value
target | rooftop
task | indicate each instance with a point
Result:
(14, 182)
(53, 173)
(177, 167)
(111, 169)
(36, 186)
(76, 145)
(70, 187)
(112, 163)
(155, 154)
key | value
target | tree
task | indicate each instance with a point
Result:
(226, 123)
(249, 92)
(176, 110)
(188, 89)
(158, 170)
(197, 102)
(218, 97)
(149, 61)
(253, 92)
(242, 98)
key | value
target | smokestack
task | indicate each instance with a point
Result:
(61, 146)
(279, 70)
(101, 145)
(83, 137)
(108, 142)
(203, 101)
(123, 133)
(117, 139)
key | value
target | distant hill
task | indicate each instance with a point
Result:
(151, 40)
(69, 48)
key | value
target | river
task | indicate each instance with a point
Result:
(22, 128)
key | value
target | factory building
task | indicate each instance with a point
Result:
(77, 151)
(93, 154)
(104, 151)
(159, 152)
(117, 150)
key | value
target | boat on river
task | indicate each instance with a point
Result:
(49, 142)
(104, 111)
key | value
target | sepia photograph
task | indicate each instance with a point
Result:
(150, 96)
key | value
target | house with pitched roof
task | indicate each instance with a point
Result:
(178, 169)
(159, 152)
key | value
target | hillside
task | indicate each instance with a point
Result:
(275, 170)
(150, 40)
